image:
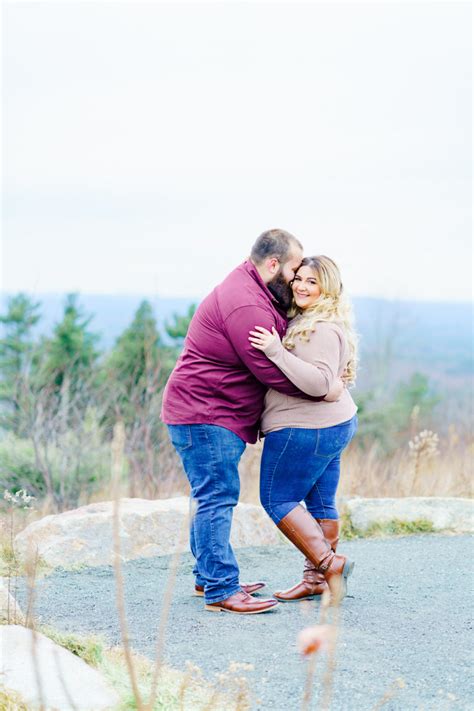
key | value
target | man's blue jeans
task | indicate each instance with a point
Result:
(210, 455)
(303, 465)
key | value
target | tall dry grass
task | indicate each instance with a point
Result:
(426, 466)
(431, 466)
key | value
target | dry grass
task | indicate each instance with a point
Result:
(118, 444)
(431, 467)
(11, 701)
(426, 470)
(184, 690)
(178, 690)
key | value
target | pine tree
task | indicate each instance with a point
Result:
(178, 330)
(137, 351)
(71, 352)
(68, 370)
(16, 353)
(136, 377)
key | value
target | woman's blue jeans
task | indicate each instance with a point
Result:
(303, 465)
(210, 455)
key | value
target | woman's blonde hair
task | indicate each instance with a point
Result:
(331, 305)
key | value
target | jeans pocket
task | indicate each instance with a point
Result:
(180, 436)
(332, 440)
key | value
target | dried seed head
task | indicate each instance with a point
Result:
(20, 498)
(314, 639)
(424, 445)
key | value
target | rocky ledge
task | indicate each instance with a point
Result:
(84, 536)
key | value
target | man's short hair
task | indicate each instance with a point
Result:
(274, 243)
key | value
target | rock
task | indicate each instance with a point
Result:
(148, 528)
(10, 610)
(83, 537)
(66, 681)
(251, 526)
(446, 514)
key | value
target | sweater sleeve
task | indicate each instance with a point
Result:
(314, 377)
(238, 325)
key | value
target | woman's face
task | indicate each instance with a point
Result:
(305, 288)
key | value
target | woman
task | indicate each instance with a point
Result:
(304, 438)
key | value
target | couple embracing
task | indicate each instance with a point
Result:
(270, 350)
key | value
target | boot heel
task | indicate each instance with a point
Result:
(348, 568)
(346, 571)
(211, 608)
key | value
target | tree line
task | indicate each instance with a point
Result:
(60, 396)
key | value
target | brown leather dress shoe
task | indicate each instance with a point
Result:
(241, 603)
(246, 587)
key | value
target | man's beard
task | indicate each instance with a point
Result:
(281, 290)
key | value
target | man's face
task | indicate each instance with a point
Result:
(290, 267)
(280, 284)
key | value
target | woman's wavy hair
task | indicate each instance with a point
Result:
(332, 305)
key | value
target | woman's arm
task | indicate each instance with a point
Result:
(317, 377)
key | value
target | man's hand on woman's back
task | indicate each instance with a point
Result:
(335, 391)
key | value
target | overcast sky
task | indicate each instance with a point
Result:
(147, 145)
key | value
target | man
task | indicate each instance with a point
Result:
(213, 401)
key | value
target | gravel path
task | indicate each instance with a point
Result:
(408, 617)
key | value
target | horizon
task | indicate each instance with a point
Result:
(178, 297)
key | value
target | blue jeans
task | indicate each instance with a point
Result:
(303, 465)
(210, 455)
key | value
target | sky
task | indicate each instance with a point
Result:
(147, 145)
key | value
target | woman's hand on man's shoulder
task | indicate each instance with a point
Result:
(264, 340)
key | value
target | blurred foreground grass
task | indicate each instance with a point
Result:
(184, 690)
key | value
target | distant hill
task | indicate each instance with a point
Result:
(434, 338)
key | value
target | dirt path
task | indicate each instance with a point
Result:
(408, 617)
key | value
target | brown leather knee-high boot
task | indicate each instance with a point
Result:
(307, 535)
(313, 583)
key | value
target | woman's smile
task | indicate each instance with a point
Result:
(306, 290)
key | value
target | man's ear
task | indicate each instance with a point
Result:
(273, 265)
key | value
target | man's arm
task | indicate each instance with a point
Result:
(238, 325)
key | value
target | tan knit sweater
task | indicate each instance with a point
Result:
(312, 366)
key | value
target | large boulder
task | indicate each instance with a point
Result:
(147, 528)
(48, 676)
(445, 514)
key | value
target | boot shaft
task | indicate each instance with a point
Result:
(330, 527)
(306, 534)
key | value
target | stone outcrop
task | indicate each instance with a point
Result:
(83, 537)
(445, 514)
(49, 676)
(147, 528)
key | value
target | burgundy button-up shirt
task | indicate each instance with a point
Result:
(220, 379)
